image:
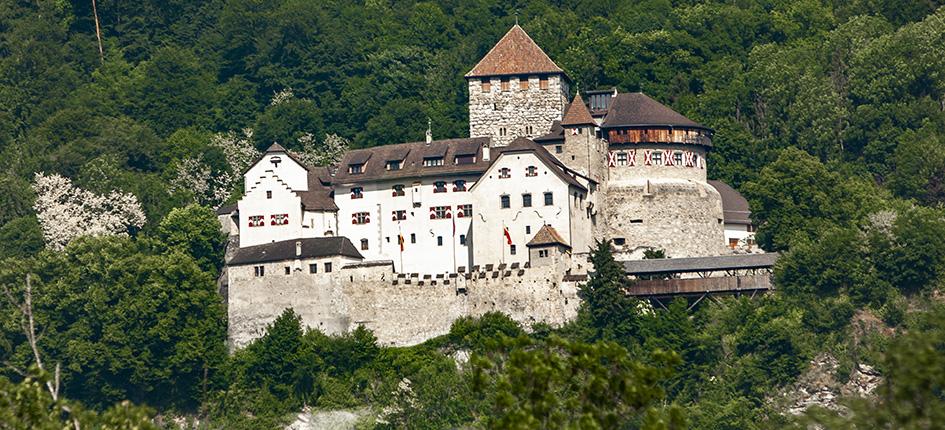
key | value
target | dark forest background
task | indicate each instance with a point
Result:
(829, 117)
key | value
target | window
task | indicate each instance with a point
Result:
(526, 200)
(542, 253)
(462, 239)
(523, 83)
(279, 219)
(413, 238)
(677, 158)
(543, 83)
(313, 268)
(529, 130)
(360, 218)
(459, 185)
(400, 215)
(439, 187)
(357, 193)
(259, 270)
(505, 173)
(288, 270)
(398, 191)
(506, 202)
(440, 212)
(356, 169)
(465, 159)
(504, 84)
(394, 165)
(432, 161)
(268, 194)
(528, 229)
(733, 243)
(328, 267)
(657, 158)
(549, 199)
(503, 131)
(364, 244)
(465, 211)
(257, 221)
(558, 149)
(619, 241)
(439, 241)
(636, 221)
(531, 171)
(621, 158)
(486, 86)
(512, 249)
(275, 160)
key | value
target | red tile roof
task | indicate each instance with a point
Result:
(577, 113)
(547, 235)
(515, 54)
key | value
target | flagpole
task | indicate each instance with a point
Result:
(454, 240)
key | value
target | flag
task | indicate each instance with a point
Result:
(508, 237)
(400, 241)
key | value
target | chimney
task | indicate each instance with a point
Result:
(298, 248)
(429, 131)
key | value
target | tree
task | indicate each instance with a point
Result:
(21, 237)
(611, 311)
(557, 384)
(195, 231)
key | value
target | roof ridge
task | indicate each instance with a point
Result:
(514, 54)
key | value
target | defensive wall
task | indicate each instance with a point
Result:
(401, 309)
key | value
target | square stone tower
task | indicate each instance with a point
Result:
(515, 91)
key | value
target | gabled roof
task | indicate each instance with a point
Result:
(318, 197)
(735, 208)
(312, 247)
(277, 148)
(577, 113)
(637, 109)
(556, 134)
(412, 155)
(522, 144)
(515, 54)
(547, 235)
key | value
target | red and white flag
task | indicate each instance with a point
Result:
(508, 237)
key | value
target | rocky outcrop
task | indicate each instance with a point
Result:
(819, 386)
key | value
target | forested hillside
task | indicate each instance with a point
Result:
(829, 117)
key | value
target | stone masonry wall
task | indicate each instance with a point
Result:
(401, 309)
(515, 109)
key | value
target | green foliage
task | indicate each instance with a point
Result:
(194, 230)
(478, 333)
(21, 237)
(610, 311)
(562, 384)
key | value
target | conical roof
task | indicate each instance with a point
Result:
(638, 109)
(577, 113)
(515, 54)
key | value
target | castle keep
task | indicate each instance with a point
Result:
(406, 238)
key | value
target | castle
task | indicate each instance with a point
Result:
(405, 238)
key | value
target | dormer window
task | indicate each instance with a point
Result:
(357, 193)
(459, 185)
(531, 171)
(398, 191)
(465, 159)
(394, 164)
(356, 169)
(432, 161)
(505, 173)
(439, 187)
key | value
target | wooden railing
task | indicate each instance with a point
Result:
(699, 286)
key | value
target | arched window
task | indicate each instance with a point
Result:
(364, 244)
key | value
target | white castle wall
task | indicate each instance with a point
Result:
(518, 111)
(401, 309)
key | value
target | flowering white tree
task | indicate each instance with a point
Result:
(328, 153)
(194, 175)
(237, 148)
(66, 212)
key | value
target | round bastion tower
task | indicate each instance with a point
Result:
(656, 194)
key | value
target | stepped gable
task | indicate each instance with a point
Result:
(515, 54)
(411, 156)
(547, 235)
(638, 109)
(735, 208)
(577, 113)
(556, 134)
(312, 247)
(522, 144)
